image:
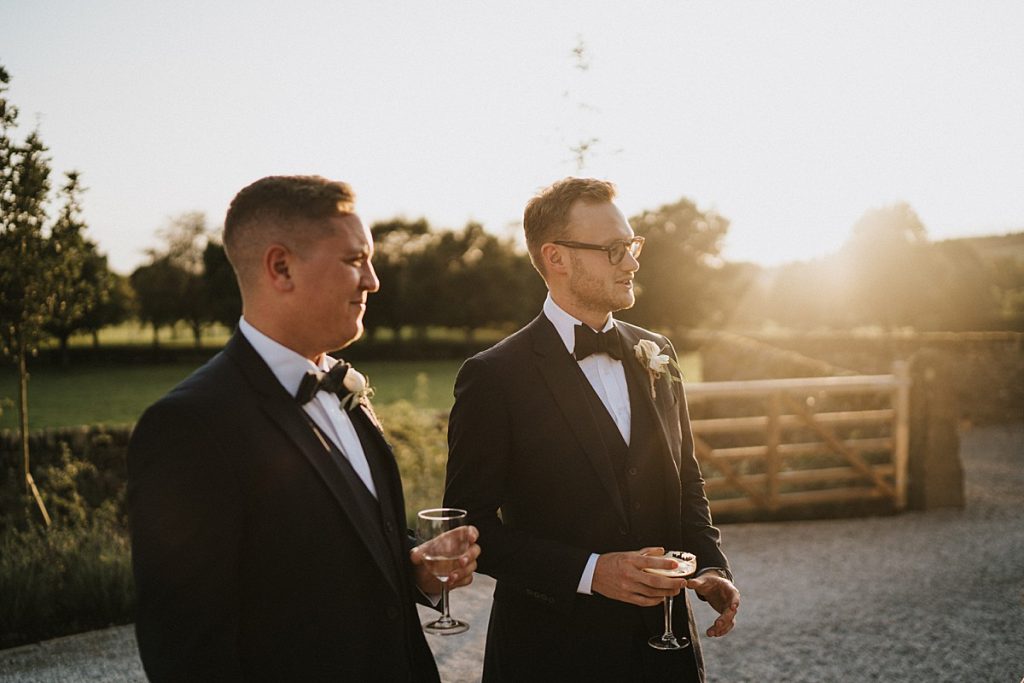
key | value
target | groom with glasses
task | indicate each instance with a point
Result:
(570, 446)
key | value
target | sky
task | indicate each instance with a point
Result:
(790, 119)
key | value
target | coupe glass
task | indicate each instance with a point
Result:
(686, 564)
(444, 539)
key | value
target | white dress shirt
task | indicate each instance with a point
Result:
(325, 409)
(605, 374)
(608, 378)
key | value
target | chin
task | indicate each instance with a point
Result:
(624, 303)
(346, 337)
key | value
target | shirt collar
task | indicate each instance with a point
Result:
(565, 324)
(288, 366)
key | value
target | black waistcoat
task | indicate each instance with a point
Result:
(638, 467)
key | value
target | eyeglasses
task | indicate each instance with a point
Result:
(616, 250)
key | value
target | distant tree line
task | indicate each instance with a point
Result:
(888, 276)
(461, 279)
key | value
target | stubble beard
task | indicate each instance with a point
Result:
(593, 294)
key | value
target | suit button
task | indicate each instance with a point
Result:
(389, 527)
(636, 506)
(633, 471)
(622, 531)
(392, 613)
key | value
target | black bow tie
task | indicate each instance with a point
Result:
(333, 382)
(589, 342)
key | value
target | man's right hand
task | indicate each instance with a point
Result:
(621, 576)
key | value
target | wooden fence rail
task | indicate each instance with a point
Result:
(810, 440)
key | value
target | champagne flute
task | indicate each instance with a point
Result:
(445, 541)
(686, 564)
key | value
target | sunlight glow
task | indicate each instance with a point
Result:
(791, 119)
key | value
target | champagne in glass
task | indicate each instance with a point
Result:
(686, 564)
(445, 540)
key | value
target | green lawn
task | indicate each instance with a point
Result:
(118, 394)
(115, 395)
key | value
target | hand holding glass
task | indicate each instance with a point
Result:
(445, 540)
(686, 564)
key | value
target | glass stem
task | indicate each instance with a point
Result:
(668, 615)
(444, 602)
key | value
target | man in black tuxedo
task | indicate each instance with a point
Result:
(267, 518)
(585, 449)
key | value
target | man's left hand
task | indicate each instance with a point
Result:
(722, 595)
(461, 576)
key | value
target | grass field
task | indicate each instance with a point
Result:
(116, 395)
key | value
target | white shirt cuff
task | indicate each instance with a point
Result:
(588, 576)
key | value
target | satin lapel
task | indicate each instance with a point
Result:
(289, 416)
(568, 384)
(365, 416)
(640, 380)
(366, 409)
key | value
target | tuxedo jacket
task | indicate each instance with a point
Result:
(546, 477)
(258, 553)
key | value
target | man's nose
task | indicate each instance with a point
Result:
(630, 263)
(369, 281)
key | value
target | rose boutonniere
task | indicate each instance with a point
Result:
(359, 389)
(656, 363)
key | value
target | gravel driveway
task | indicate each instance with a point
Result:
(921, 596)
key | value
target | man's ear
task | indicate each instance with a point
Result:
(553, 258)
(277, 262)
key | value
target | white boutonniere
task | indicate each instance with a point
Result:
(359, 387)
(656, 362)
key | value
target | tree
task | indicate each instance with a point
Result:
(159, 288)
(221, 298)
(397, 244)
(170, 287)
(487, 280)
(1008, 275)
(887, 257)
(26, 288)
(116, 299)
(81, 280)
(678, 265)
(465, 279)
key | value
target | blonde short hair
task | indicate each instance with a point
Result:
(547, 213)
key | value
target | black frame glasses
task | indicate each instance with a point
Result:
(616, 250)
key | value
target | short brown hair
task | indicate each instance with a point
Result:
(547, 213)
(288, 209)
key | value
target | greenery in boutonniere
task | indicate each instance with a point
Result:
(657, 363)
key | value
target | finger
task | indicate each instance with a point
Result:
(724, 623)
(663, 585)
(653, 562)
(416, 555)
(644, 600)
(474, 533)
(655, 586)
(702, 584)
(458, 579)
(652, 550)
(721, 627)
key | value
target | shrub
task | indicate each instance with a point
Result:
(64, 580)
(419, 439)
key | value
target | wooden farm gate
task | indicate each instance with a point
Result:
(780, 443)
